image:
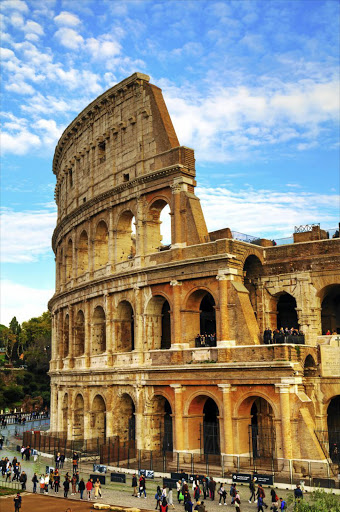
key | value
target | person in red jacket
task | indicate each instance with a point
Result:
(89, 487)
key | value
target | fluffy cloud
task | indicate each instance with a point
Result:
(27, 235)
(22, 301)
(15, 5)
(67, 18)
(266, 213)
(102, 48)
(69, 38)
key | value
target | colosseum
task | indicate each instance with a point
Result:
(161, 344)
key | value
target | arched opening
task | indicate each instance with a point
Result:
(200, 325)
(126, 420)
(79, 335)
(161, 425)
(101, 246)
(98, 418)
(99, 331)
(286, 312)
(261, 431)
(330, 310)
(333, 424)
(66, 336)
(124, 326)
(125, 237)
(78, 418)
(310, 367)
(83, 254)
(158, 226)
(69, 260)
(158, 323)
(64, 414)
(203, 425)
(61, 267)
(252, 271)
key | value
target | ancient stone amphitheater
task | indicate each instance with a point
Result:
(162, 343)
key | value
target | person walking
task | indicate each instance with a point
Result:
(298, 494)
(134, 485)
(89, 487)
(17, 502)
(23, 480)
(237, 502)
(97, 489)
(212, 487)
(142, 486)
(223, 494)
(56, 481)
(252, 490)
(163, 507)
(262, 494)
(74, 484)
(81, 488)
(170, 498)
(260, 504)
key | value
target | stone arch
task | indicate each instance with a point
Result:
(124, 327)
(257, 253)
(64, 413)
(284, 305)
(309, 367)
(69, 260)
(125, 237)
(330, 308)
(158, 323)
(79, 334)
(125, 412)
(200, 316)
(78, 417)
(83, 253)
(203, 424)
(101, 245)
(256, 427)
(98, 418)
(98, 331)
(252, 272)
(333, 427)
(160, 425)
(66, 335)
(60, 256)
(154, 233)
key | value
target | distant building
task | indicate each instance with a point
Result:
(164, 344)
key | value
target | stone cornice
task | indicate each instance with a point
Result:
(95, 105)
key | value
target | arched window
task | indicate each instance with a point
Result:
(124, 326)
(79, 338)
(200, 319)
(69, 260)
(158, 227)
(286, 312)
(158, 323)
(203, 420)
(125, 414)
(330, 310)
(66, 336)
(126, 237)
(98, 418)
(99, 331)
(333, 424)
(252, 271)
(161, 427)
(83, 254)
(101, 247)
(78, 418)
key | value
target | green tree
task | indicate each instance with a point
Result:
(318, 501)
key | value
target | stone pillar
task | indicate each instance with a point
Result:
(138, 320)
(285, 420)
(111, 240)
(109, 413)
(59, 420)
(178, 430)
(176, 225)
(227, 419)
(139, 417)
(176, 330)
(87, 333)
(90, 250)
(70, 414)
(71, 337)
(87, 415)
(54, 345)
(74, 261)
(54, 408)
(224, 313)
(109, 337)
(59, 339)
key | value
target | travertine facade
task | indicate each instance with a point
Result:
(127, 310)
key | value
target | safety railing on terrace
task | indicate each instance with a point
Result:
(251, 239)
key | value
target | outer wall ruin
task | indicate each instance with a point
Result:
(127, 310)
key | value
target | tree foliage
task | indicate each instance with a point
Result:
(318, 501)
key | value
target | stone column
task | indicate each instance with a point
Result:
(285, 420)
(71, 337)
(227, 419)
(109, 337)
(74, 261)
(139, 417)
(224, 314)
(54, 346)
(87, 334)
(87, 415)
(59, 339)
(54, 408)
(179, 434)
(111, 239)
(176, 225)
(90, 250)
(176, 330)
(109, 413)
(59, 420)
(70, 414)
(138, 320)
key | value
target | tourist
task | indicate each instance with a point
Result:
(51, 479)
(89, 487)
(252, 490)
(35, 482)
(97, 489)
(283, 504)
(9, 472)
(75, 458)
(81, 488)
(66, 486)
(56, 481)
(62, 460)
(260, 493)
(275, 500)
(205, 487)
(170, 498)
(212, 487)
(222, 493)
(134, 485)
(232, 493)
(57, 460)
(142, 487)
(74, 485)
(260, 504)
(23, 480)
(163, 507)
(42, 484)
(27, 453)
(46, 481)
(298, 494)
(197, 492)
(188, 504)
(22, 451)
(158, 497)
(237, 502)
(17, 502)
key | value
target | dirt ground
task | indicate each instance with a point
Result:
(41, 503)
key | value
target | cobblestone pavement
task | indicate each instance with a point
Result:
(120, 494)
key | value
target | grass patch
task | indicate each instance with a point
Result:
(6, 491)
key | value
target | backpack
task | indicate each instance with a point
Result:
(284, 505)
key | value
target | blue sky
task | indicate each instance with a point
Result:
(252, 86)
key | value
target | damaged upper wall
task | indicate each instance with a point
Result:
(122, 135)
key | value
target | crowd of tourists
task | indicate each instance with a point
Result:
(205, 340)
(21, 417)
(282, 335)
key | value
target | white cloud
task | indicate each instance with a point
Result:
(22, 301)
(102, 48)
(27, 235)
(15, 5)
(67, 18)
(69, 38)
(34, 28)
(266, 213)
